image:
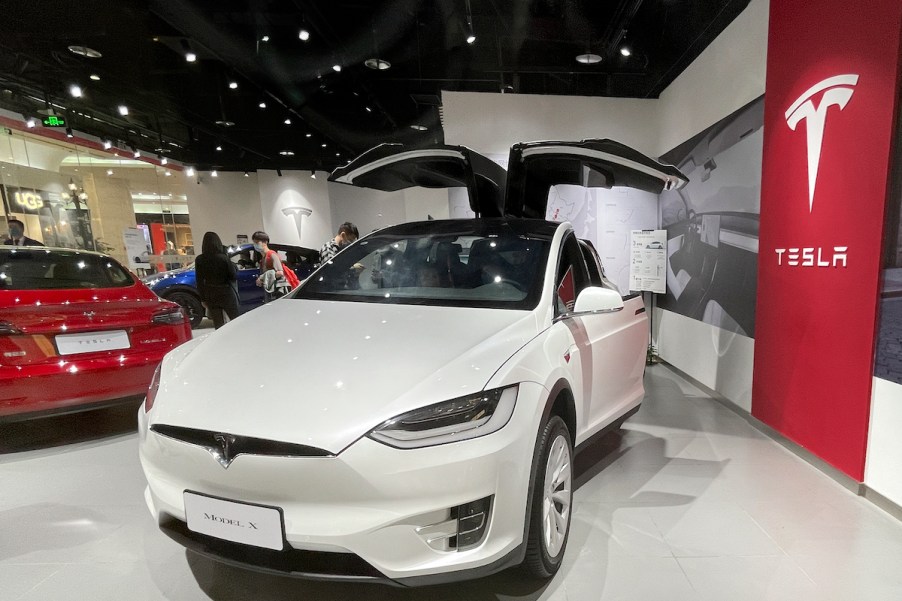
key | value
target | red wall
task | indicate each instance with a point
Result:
(815, 325)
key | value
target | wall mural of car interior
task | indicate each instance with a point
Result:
(888, 358)
(712, 223)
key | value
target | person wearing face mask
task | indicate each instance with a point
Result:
(269, 260)
(347, 234)
(17, 235)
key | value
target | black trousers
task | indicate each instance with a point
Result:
(216, 314)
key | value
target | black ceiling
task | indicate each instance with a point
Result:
(522, 46)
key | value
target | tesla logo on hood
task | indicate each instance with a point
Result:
(223, 453)
(837, 90)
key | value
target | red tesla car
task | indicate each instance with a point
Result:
(77, 331)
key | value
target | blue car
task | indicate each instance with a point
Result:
(180, 285)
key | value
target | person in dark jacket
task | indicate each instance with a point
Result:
(17, 235)
(216, 280)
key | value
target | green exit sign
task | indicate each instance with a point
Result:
(54, 121)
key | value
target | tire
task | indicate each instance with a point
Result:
(552, 500)
(189, 303)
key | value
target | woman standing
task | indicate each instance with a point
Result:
(216, 280)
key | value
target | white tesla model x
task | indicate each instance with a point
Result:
(409, 413)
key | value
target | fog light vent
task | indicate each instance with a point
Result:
(472, 521)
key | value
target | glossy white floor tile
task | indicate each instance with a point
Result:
(688, 501)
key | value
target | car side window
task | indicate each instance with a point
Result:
(245, 259)
(572, 275)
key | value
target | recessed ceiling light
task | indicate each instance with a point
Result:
(123, 110)
(225, 123)
(233, 85)
(338, 154)
(309, 135)
(324, 144)
(214, 173)
(262, 105)
(336, 68)
(190, 57)
(625, 51)
(84, 51)
(264, 38)
(94, 77)
(219, 149)
(286, 153)
(418, 127)
(368, 109)
(287, 122)
(588, 59)
(75, 90)
(377, 63)
(304, 35)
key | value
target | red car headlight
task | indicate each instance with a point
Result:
(152, 390)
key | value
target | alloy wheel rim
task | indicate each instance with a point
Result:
(557, 499)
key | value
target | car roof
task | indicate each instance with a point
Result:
(56, 249)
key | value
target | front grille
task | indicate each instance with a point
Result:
(294, 562)
(231, 445)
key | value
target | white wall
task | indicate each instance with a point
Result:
(228, 205)
(491, 123)
(367, 209)
(728, 74)
(883, 468)
(295, 189)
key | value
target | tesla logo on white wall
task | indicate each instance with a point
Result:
(837, 91)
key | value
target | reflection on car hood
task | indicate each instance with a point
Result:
(324, 373)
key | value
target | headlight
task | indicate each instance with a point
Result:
(450, 421)
(152, 389)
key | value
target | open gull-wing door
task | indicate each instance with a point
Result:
(393, 167)
(534, 167)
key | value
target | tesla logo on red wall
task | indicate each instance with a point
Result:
(837, 91)
(833, 91)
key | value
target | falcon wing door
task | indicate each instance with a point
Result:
(534, 167)
(393, 167)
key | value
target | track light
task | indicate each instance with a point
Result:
(189, 171)
(309, 135)
(137, 154)
(264, 38)
(109, 172)
(262, 105)
(287, 122)
(30, 124)
(233, 85)
(304, 35)
(625, 50)
(312, 174)
(163, 161)
(219, 149)
(246, 174)
(123, 110)
(94, 77)
(190, 57)
(471, 39)
(336, 68)
(324, 144)
(279, 172)
(69, 133)
(75, 90)
(107, 144)
(214, 173)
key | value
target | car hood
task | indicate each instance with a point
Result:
(323, 373)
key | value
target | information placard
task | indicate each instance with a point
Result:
(648, 260)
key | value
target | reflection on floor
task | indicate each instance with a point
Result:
(687, 502)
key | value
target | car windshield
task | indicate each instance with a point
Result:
(34, 269)
(491, 268)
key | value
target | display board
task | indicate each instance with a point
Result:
(648, 261)
(137, 246)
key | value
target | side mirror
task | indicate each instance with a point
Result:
(596, 299)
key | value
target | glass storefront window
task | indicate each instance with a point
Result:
(75, 197)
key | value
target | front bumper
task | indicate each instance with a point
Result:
(373, 510)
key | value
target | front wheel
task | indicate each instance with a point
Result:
(552, 502)
(191, 304)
